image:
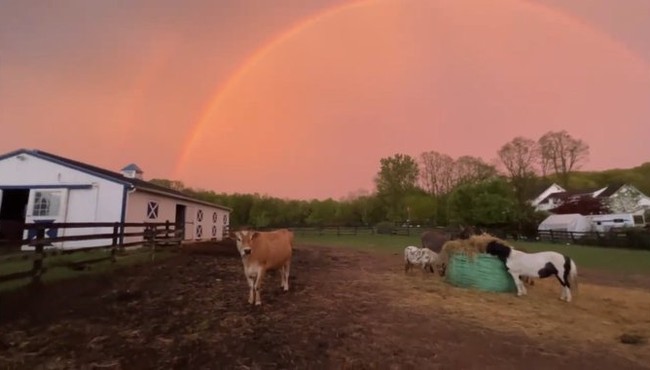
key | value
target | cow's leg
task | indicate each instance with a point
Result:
(258, 287)
(287, 270)
(251, 288)
(282, 273)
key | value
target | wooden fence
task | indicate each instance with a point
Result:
(150, 235)
(624, 238)
(633, 239)
(352, 230)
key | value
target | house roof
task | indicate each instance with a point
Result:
(111, 175)
(568, 194)
(538, 188)
(611, 190)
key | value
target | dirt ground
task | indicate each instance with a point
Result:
(346, 309)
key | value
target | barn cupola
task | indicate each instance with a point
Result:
(132, 171)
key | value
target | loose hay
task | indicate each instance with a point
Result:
(469, 247)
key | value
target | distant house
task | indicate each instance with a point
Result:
(540, 202)
(620, 198)
(36, 186)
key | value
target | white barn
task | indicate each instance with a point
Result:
(36, 186)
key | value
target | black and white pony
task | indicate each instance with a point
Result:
(541, 265)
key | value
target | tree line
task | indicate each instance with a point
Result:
(432, 189)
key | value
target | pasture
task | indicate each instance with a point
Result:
(350, 306)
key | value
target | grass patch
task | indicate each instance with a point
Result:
(607, 259)
(57, 266)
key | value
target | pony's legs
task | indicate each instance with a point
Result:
(521, 289)
(567, 294)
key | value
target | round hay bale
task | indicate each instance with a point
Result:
(481, 271)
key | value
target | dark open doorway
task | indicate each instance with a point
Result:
(180, 219)
(12, 214)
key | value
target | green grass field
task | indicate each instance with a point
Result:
(57, 268)
(607, 259)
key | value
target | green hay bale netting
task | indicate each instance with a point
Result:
(482, 271)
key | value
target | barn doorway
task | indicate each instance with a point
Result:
(180, 219)
(13, 206)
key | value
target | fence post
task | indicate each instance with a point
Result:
(573, 239)
(152, 240)
(167, 229)
(552, 237)
(115, 241)
(338, 231)
(37, 267)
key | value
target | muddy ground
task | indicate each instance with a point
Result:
(191, 312)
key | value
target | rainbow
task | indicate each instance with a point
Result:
(214, 103)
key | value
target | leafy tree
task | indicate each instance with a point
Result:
(562, 153)
(421, 208)
(323, 213)
(485, 203)
(398, 175)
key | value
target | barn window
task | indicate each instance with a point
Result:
(199, 231)
(214, 217)
(225, 219)
(199, 215)
(152, 210)
(214, 230)
(46, 203)
(638, 220)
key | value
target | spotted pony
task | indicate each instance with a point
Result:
(423, 257)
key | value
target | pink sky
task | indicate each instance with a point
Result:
(302, 100)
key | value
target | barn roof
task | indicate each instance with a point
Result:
(132, 167)
(111, 175)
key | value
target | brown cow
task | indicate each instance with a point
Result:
(263, 251)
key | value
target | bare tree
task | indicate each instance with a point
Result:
(563, 153)
(436, 172)
(519, 157)
(470, 169)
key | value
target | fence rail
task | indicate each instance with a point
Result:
(627, 238)
(153, 235)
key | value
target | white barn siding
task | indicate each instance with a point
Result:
(137, 206)
(100, 203)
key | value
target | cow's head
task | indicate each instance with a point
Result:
(243, 239)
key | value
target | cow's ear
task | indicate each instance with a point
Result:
(254, 235)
